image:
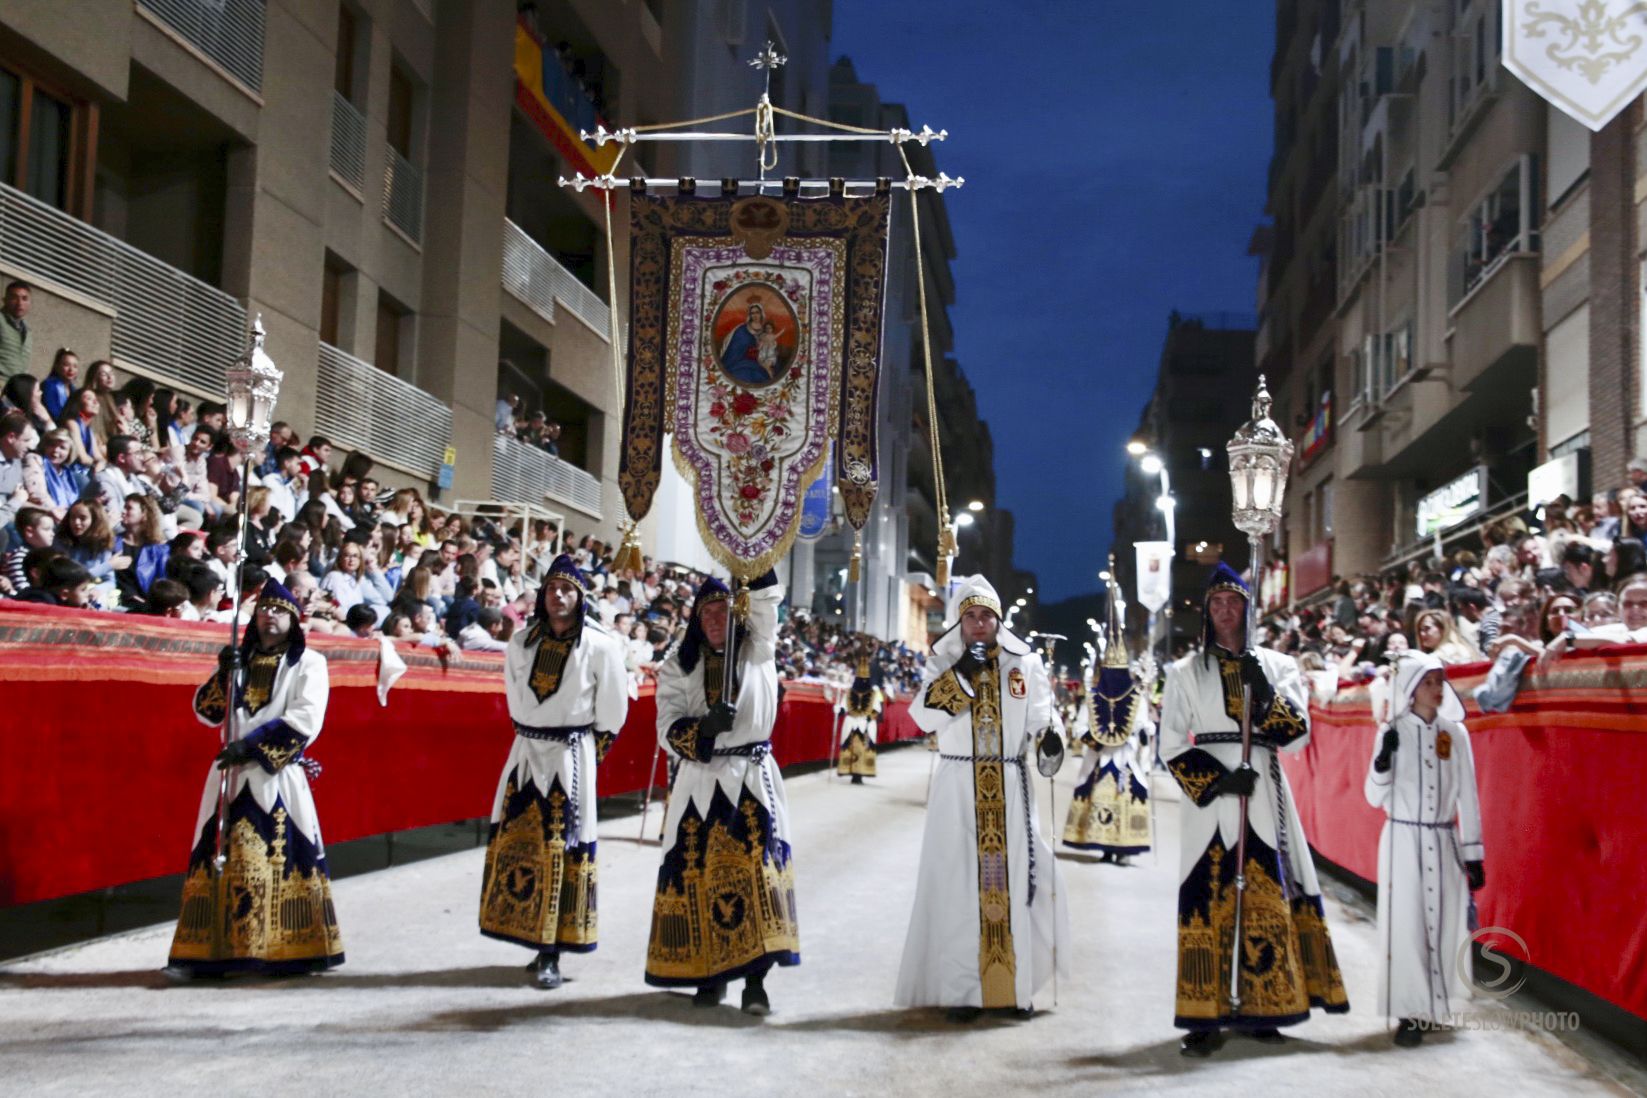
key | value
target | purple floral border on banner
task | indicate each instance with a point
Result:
(695, 440)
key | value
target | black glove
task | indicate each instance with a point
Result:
(1392, 741)
(235, 753)
(1476, 874)
(718, 720)
(1252, 674)
(1239, 782)
(972, 660)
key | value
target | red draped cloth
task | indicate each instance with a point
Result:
(102, 759)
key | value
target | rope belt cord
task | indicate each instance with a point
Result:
(756, 753)
(571, 736)
(1441, 825)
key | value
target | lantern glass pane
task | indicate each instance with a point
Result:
(1238, 486)
(1263, 486)
(239, 411)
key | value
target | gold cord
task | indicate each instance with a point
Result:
(946, 536)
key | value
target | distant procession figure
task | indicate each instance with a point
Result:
(988, 911)
(725, 903)
(270, 911)
(862, 707)
(1430, 853)
(568, 695)
(1110, 812)
(1288, 966)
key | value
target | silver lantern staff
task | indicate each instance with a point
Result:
(253, 384)
(1259, 458)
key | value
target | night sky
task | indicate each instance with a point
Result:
(1115, 155)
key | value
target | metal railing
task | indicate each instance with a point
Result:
(167, 323)
(539, 280)
(230, 32)
(526, 474)
(403, 195)
(363, 408)
(348, 142)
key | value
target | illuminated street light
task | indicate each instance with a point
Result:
(1137, 448)
(963, 520)
(1150, 464)
(975, 505)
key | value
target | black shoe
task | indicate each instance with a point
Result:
(964, 1015)
(755, 1001)
(178, 974)
(709, 995)
(1408, 1035)
(857, 779)
(547, 968)
(1267, 1036)
(1024, 1014)
(1199, 1043)
(1123, 859)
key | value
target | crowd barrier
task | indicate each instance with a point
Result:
(102, 761)
(1560, 777)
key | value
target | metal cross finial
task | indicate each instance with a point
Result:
(769, 58)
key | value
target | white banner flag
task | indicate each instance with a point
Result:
(1154, 573)
(1588, 57)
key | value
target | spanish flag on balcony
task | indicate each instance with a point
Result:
(555, 103)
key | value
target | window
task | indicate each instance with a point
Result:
(343, 77)
(400, 112)
(1501, 224)
(44, 148)
(331, 293)
(391, 318)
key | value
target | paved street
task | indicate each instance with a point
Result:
(426, 1006)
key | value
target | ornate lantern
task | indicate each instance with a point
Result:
(254, 384)
(1259, 458)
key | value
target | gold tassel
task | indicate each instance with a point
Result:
(855, 569)
(943, 572)
(629, 557)
(947, 547)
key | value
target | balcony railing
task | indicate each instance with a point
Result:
(403, 195)
(539, 281)
(230, 32)
(364, 408)
(348, 142)
(525, 474)
(166, 323)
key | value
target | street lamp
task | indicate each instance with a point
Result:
(963, 520)
(1137, 448)
(253, 385)
(975, 505)
(1259, 457)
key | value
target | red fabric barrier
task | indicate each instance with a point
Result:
(1560, 779)
(102, 761)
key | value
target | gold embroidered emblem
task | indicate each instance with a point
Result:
(533, 888)
(548, 665)
(260, 677)
(1443, 745)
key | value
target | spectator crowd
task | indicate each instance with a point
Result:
(124, 495)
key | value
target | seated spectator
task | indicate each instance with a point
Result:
(62, 583)
(482, 634)
(356, 581)
(84, 537)
(79, 420)
(143, 541)
(167, 598)
(59, 483)
(1625, 557)
(465, 607)
(289, 559)
(36, 529)
(22, 394)
(117, 417)
(59, 383)
(1578, 565)
(205, 591)
(360, 621)
(1634, 505)
(317, 455)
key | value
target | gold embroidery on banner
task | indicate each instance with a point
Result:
(548, 664)
(997, 962)
(1286, 954)
(256, 910)
(736, 909)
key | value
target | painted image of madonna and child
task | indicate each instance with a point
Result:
(755, 330)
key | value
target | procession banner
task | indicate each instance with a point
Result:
(815, 507)
(755, 341)
(1587, 57)
(1154, 573)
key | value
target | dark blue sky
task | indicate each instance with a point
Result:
(1115, 155)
